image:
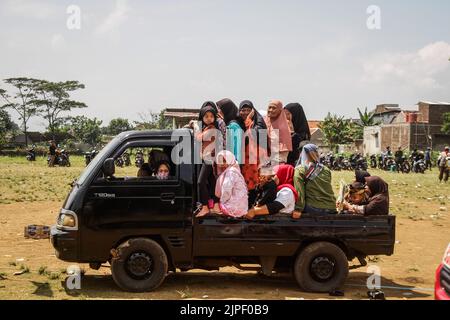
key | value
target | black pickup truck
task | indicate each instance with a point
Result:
(145, 227)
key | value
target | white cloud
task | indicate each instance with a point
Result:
(116, 18)
(420, 69)
(28, 9)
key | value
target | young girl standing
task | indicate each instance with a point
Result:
(207, 136)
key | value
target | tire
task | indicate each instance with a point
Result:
(316, 255)
(141, 265)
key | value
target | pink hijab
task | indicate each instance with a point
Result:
(281, 123)
(227, 157)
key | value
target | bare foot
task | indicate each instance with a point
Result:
(203, 212)
(250, 214)
(216, 209)
(296, 214)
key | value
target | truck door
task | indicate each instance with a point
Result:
(134, 202)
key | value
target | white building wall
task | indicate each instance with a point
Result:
(372, 140)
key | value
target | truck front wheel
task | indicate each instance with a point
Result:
(321, 267)
(140, 265)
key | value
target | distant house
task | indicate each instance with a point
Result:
(180, 116)
(386, 113)
(32, 138)
(410, 129)
(317, 136)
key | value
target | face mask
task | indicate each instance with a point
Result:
(162, 175)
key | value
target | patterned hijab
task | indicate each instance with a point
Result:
(310, 159)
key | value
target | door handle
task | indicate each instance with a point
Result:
(167, 196)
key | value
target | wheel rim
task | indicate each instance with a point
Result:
(322, 268)
(139, 265)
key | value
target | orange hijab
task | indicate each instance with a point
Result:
(280, 123)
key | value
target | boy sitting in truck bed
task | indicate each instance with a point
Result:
(286, 196)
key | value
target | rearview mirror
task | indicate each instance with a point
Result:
(108, 167)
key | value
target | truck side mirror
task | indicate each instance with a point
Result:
(108, 167)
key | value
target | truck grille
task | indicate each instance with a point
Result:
(176, 242)
(445, 279)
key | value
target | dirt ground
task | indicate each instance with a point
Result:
(32, 193)
(419, 249)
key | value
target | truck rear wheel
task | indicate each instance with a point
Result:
(321, 267)
(140, 265)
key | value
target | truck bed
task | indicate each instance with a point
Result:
(281, 235)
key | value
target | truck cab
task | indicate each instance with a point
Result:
(145, 227)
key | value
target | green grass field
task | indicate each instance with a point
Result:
(22, 181)
(32, 193)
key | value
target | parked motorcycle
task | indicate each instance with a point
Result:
(358, 162)
(380, 162)
(139, 160)
(403, 165)
(389, 164)
(62, 158)
(31, 154)
(88, 156)
(419, 166)
(373, 161)
(126, 159)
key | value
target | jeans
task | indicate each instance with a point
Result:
(318, 211)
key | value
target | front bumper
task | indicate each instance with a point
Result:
(65, 243)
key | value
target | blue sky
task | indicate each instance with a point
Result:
(136, 56)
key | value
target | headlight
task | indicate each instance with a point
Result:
(67, 219)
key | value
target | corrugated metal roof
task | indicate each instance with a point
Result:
(176, 114)
(438, 102)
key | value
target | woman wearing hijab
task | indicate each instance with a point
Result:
(251, 121)
(312, 180)
(229, 113)
(361, 175)
(299, 129)
(231, 189)
(378, 203)
(278, 131)
(286, 195)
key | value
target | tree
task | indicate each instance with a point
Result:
(366, 118)
(446, 123)
(21, 99)
(118, 125)
(54, 98)
(6, 126)
(153, 121)
(86, 130)
(337, 130)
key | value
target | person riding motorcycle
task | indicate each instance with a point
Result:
(31, 153)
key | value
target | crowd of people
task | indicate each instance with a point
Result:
(287, 177)
(420, 158)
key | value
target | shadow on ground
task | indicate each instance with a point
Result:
(221, 285)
